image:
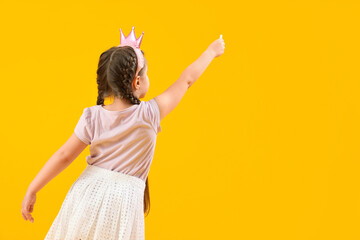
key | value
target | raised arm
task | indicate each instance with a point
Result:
(170, 98)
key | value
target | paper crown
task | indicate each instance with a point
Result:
(131, 39)
(134, 42)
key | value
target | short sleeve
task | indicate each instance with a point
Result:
(153, 114)
(82, 129)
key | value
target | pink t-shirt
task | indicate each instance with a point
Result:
(122, 141)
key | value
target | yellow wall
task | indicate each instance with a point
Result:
(263, 146)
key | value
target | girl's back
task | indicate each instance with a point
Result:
(122, 141)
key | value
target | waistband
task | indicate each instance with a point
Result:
(114, 175)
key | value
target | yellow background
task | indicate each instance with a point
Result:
(264, 145)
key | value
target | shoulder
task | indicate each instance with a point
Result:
(151, 113)
(90, 111)
(150, 107)
(153, 103)
(150, 104)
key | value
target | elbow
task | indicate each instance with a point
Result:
(187, 78)
(189, 83)
(63, 156)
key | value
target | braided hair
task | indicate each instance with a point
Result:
(116, 71)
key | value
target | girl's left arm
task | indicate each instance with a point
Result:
(60, 160)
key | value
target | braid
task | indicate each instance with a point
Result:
(104, 90)
(100, 99)
(128, 73)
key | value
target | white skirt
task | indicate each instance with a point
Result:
(101, 205)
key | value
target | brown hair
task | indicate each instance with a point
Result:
(116, 71)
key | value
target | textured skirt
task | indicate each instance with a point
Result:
(101, 205)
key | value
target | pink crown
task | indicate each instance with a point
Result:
(131, 39)
(134, 42)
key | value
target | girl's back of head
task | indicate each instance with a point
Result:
(116, 72)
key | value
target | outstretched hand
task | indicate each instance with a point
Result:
(27, 206)
(217, 47)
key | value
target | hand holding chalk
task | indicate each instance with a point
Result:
(217, 47)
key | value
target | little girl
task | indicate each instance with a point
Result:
(110, 197)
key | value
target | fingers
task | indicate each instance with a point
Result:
(223, 43)
(27, 216)
(25, 213)
(27, 206)
(24, 217)
(30, 217)
(30, 209)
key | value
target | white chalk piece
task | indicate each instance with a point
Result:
(221, 36)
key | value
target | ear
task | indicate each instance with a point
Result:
(136, 82)
(137, 79)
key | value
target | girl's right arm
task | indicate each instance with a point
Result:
(60, 160)
(170, 98)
